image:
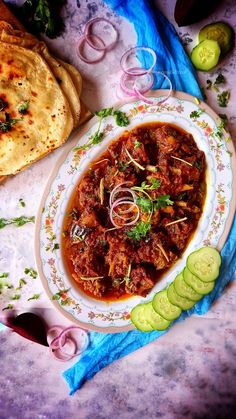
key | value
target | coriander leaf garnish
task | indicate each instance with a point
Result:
(4, 275)
(34, 297)
(103, 113)
(21, 283)
(56, 246)
(6, 125)
(8, 307)
(162, 202)
(18, 221)
(137, 144)
(31, 272)
(220, 79)
(121, 118)
(144, 203)
(196, 114)
(155, 183)
(16, 297)
(24, 107)
(139, 231)
(21, 202)
(3, 104)
(122, 166)
(223, 98)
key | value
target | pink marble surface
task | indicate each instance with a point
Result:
(189, 372)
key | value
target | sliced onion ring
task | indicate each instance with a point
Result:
(126, 223)
(150, 101)
(123, 202)
(80, 48)
(115, 188)
(88, 34)
(137, 71)
(127, 190)
(58, 343)
(125, 78)
(120, 201)
(83, 335)
(59, 354)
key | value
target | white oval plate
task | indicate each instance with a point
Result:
(212, 229)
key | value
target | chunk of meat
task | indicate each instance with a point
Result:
(140, 281)
(167, 139)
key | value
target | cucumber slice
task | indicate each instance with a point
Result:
(206, 55)
(163, 306)
(184, 290)
(205, 263)
(220, 32)
(139, 318)
(199, 286)
(175, 299)
(155, 320)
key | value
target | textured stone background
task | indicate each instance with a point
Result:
(191, 371)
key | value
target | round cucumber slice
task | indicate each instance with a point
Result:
(205, 263)
(139, 318)
(220, 32)
(163, 306)
(175, 299)
(206, 55)
(184, 290)
(156, 320)
(199, 286)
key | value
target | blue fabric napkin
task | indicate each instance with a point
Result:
(153, 30)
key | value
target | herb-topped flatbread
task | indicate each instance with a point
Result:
(35, 116)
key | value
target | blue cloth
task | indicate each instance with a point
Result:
(155, 31)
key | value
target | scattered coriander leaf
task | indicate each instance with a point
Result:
(139, 231)
(6, 125)
(223, 98)
(162, 201)
(20, 221)
(97, 137)
(122, 166)
(4, 275)
(103, 113)
(56, 297)
(24, 107)
(121, 118)
(8, 307)
(16, 297)
(21, 283)
(145, 204)
(31, 272)
(196, 114)
(220, 79)
(34, 297)
(56, 246)
(21, 202)
(3, 104)
(209, 84)
(137, 144)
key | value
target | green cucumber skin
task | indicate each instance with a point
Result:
(196, 59)
(156, 320)
(175, 299)
(140, 322)
(184, 290)
(225, 39)
(204, 263)
(170, 312)
(199, 286)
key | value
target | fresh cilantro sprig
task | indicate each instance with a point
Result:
(18, 221)
(223, 98)
(6, 125)
(34, 297)
(121, 120)
(149, 205)
(31, 272)
(23, 107)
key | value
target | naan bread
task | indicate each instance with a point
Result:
(25, 76)
(59, 69)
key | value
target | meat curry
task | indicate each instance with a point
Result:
(134, 211)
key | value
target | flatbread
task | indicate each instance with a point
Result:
(25, 76)
(59, 70)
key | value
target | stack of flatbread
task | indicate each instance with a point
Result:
(39, 99)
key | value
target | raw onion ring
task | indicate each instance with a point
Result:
(125, 78)
(64, 356)
(88, 34)
(58, 343)
(80, 47)
(150, 101)
(115, 188)
(123, 202)
(84, 334)
(137, 71)
(125, 224)
(120, 201)
(122, 190)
